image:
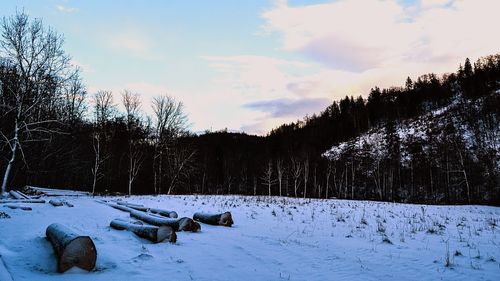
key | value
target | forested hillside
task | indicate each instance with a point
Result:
(424, 139)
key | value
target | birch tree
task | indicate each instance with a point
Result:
(267, 176)
(35, 53)
(296, 170)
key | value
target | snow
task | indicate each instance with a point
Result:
(274, 238)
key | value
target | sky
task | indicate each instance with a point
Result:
(253, 65)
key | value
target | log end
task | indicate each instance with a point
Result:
(173, 215)
(166, 233)
(187, 224)
(56, 203)
(80, 252)
(226, 219)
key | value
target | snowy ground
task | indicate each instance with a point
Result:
(272, 239)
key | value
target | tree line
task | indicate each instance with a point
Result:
(53, 136)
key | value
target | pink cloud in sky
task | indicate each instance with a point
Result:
(359, 35)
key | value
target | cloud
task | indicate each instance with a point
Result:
(132, 41)
(360, 35)
(289, 107)
(255, 76)
(434, 3)
(66, 10)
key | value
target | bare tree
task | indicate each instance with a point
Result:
(170, 123)
(73, 102)
(36, 55)
(98, 160)
(103, 111)
(181, 164)
(296, 170)
(132, 105)
(267, 176)
(103, 108)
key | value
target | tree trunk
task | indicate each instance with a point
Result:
(327, 183)
(71, 249)
(11, 161)
(352, 179)
(431, 181)
(254, 187)
(224, 219)
(306, 176)
(464, 172)
(154, 234)
(295, 186)
(165, 213)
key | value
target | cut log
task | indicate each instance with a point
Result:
(22, 201)
(133, 206)
(224, 219)
(70, 248)
(188, 224)
(14, 206)
(182, 224)
(68, 204)
(152, 233)
(24, 195)
(16, 195)
(119, 207)
(56, 203)
(165, 213)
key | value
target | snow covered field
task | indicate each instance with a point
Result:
(272, 239)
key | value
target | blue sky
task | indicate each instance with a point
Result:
(252, 65)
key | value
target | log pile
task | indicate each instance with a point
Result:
(224, 219)
(182, 224)
(161, 212)
(71, 249)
